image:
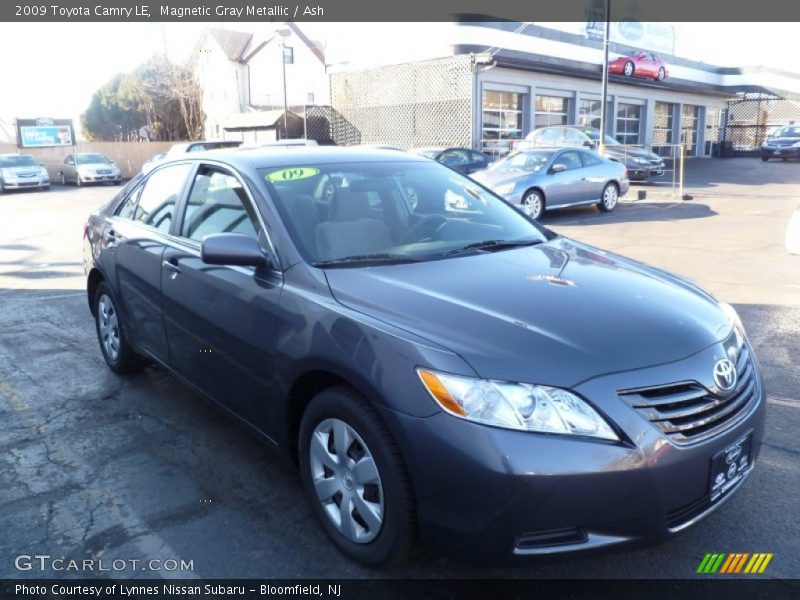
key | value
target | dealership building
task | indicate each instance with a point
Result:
(488, 84)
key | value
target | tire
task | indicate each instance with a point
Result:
(78, 180)
(533, 204)
(765, 158)
(609, 198)
(118, 182)
(628, 69)
(388, 536)
(107, 322)
(62, 179)
(44, 189)
(2, 189)
(662, 73)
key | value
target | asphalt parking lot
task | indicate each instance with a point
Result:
(96, 465)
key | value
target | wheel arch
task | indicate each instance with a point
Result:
(94, 279)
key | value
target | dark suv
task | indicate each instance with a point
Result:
(449, 369)
(640, 164)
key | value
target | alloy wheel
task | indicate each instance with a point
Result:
(532, 205)
(108, 324)
(346, 480)
(628, 69)
(610, 197)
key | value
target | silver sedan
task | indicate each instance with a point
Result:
(547, 178)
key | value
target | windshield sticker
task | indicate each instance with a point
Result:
(292, 174)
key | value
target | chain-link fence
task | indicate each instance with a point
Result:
(409, 105)
(753, 116)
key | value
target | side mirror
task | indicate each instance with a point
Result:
(589, 144)
(232, 249)
(558, 168)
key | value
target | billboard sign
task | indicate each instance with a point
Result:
(45, 133)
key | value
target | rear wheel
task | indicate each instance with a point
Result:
(609, 198)
(661, 74)
(533, 204)
(355, 478)
(114, 345)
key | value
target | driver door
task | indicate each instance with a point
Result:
(567, 186)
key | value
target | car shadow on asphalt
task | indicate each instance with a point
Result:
(630, 212)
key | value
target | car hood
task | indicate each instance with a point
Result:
(29, 170)
(497, 177)
(622, 151)
(556, 314)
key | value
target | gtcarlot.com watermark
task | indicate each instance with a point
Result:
(47, 563)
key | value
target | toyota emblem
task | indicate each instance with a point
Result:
(725, 375)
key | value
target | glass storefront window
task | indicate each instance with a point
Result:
(550, 110)
(502, 121)
(689, 119)
(589, 113)
(629, 116)
(662, 128)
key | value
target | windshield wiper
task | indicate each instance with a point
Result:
(492, 245)
(368, 259)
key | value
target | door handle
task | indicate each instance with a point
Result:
(172, 266)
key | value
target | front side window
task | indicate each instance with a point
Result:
(571, 160)
(455, 158)
(156, 200)
(391, 211)
(218, 203)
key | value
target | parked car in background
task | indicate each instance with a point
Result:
(782, 142)
(793, 232)
(152, 161)
(187, 147)
(547, 178)
(285, 143)
(22, 172)
(459, 159)
(641, 164)
(89, 167)
(639, 64)
(464, 376)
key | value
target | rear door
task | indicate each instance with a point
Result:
(134, 240)
(221, 321)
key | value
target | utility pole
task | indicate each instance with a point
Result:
(604, 96)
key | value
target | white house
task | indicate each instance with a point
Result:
(241, 72)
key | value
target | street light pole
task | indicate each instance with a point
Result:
(284, 32)
(603, 103)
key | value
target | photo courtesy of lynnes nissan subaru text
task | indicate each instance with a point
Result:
(444, 369)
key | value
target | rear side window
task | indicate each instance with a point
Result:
(155, 202)
(589, 160)
(218, 203)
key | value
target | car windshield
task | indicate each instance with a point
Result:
(92, 159)
(532, 161)
(21, 160)
(787, 132)
(594, 135)
(367, 213)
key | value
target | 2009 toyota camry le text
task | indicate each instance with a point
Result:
(441, 368)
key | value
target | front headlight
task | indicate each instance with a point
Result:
(7, 174)
(735, 322)
(504, 190)
(639, 161)
(520, 406)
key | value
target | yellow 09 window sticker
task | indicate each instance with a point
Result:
(292, 174)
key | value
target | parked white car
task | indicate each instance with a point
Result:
(186, 147)
(793, 232)
(22, 171)
(89, 167)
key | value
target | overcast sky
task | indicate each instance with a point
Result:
(52, 69)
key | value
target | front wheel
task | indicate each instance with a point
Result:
(355, 478)
(533, 204)
(609, 198)
(77, 180)
(117, 352)
(661, 74)
(628, 69)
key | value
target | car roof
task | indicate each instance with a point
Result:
(259, 158)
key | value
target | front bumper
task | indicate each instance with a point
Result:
(26, 184)
(500, 496)
(94, 178)
(638, 172)
(780, 151)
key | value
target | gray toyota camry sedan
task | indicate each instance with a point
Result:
(450, 371)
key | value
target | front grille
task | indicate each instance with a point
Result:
(687, 412)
